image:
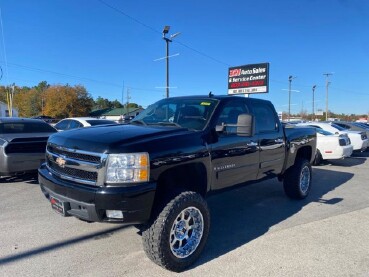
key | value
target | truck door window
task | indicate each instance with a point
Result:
(230, 113)
(265, 118)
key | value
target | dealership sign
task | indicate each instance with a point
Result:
(251, 78)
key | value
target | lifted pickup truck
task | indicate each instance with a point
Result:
(157, 171)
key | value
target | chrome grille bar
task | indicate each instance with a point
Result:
(75, 165)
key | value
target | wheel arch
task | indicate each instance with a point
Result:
(173, 181)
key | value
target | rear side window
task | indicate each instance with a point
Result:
(231, 111)
(100, 122)
(26, 127)
(265, 118)
(62, 125)
(74, 124)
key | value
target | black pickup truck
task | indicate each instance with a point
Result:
(156, 172)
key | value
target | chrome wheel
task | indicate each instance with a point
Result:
(305, 179)
(186, 232)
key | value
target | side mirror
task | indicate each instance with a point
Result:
(220, 128)
(245, 125)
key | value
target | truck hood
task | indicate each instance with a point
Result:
(110, 138)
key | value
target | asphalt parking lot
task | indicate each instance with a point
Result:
(256, 231)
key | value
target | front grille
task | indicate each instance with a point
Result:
(76, 165)
(74, 155)
(28, 147)
(73, 173)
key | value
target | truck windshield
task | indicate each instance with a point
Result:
(191, 113)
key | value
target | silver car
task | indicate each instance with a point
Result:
(22, 144)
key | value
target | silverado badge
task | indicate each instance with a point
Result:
(60, 162)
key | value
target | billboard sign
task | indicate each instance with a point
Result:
(247, 79)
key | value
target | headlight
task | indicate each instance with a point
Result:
(128, 168)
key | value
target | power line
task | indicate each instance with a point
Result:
(61, 74)
(201, 53)
(128, 16)
(75, 77)
(3, 41)
(159, 32)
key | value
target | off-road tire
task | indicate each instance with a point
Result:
(297, 179)
(157, 237)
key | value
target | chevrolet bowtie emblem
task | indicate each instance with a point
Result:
(60, 162)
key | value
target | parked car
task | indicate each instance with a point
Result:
(80, 122)
(22, 144)
(359, 140)
(47, 119)
(354, 126)
(331, 146)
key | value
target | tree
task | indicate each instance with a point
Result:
(42, 86)
(102, 103)
(116, 104)
(67, 101)
(133, 105)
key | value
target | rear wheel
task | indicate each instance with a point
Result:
(297, 180)
(178, 235)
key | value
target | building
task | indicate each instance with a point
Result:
(4, 111)
(118, 114)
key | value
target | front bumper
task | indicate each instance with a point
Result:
(90, 203)
(20, 162)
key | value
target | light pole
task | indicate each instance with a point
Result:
(290, 78)
(167, 40)
(326, 94)
(312, 116)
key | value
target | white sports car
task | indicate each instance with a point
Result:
(358, 139)
(331, 147)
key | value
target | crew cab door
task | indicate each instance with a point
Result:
(234, 157)
(270, 136)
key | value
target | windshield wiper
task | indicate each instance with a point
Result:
(166, 123)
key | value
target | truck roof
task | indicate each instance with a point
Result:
(218, 97)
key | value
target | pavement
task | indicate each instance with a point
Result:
(255, 231)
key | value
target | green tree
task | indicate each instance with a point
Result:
(102, 103)
(116, 104)
(67, 101)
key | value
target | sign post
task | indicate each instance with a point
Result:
(248, 79)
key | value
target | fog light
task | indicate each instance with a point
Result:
(114, 214)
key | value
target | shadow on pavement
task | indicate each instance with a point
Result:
(348, 162)
(29, 178)
(55, 246)
(364, 154)
(242, 215)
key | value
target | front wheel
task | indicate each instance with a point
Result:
(297, 180)
(178, 235)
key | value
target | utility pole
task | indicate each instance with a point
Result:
(128, 97)
(10, 100)
(326, 94)
(167, 40)
(313, 113)
(123, 95)
(290, 78)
